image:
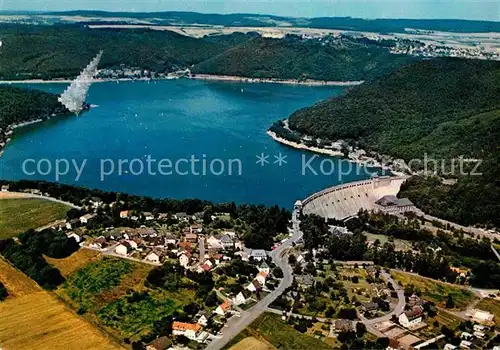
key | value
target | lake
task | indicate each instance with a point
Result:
(207, 134)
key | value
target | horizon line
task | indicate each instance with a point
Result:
(41, 12)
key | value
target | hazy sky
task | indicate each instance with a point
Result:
(487, 10)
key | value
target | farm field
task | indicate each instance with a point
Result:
(436, 291)
(40, 321)
(16, 282)
(32, 318)
(251, 343)
(20, 214)
(271, 329)
(491, 305)
(74, 262)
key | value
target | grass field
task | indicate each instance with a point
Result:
(251, 343)
(436, 291)
(491, 305)
(20, 214)
(85, 286)
(271, 329)
(74, 262)
(40, 321)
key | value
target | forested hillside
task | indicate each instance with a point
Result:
(19, 105)
(335, 59)
(444, 108)
(62, 51)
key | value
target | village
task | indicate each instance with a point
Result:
(327, 299)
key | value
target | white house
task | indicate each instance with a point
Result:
(254, 286)
(244, 255)
(171, 239)
(86, 218)
(154, 257)
(184, 260)
(464, 344)
(76, 237)
(203, 320)
(412, 318)
(214, 243)
(227, 241)
(258, 254)
(96, 202)
(121, 249)
(132, 244)
(189, 330)
(223, 308)
(239, 299)
(148, 216)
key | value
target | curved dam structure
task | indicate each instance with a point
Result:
(343, 201)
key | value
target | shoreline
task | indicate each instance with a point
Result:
(367, 162)
(239, 79)
(210, 77)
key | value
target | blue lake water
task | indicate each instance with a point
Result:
(178, 120)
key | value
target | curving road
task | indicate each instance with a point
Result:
(280, 257)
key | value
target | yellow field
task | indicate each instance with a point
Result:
(21, 214)
(39, 321)
(74, 262)
(251, 343)
(32, 318)
(16, 282)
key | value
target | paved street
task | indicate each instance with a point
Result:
(236, 324)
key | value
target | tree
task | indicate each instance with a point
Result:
(3, 292)
(211, 299)
(450, 304)
(278, 272)
(360, 329)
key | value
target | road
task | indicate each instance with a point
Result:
(9, 194)
(201, 246)
(109, 252)
(280, 257)
(397, 310)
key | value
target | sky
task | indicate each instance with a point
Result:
(469, 9)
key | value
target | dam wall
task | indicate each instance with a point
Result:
(342, 201)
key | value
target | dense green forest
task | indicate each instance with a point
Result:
(19, 105)
(61, 51)
(336, 59)
(444, 108)
(250, 20)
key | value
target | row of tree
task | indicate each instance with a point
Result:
(27, 254)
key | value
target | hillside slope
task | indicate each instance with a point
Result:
(444, 108)
(62, 51)
(295, 58)
(19, 105)
(435, 107)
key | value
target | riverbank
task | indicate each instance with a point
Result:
(227, 78)
(239, 79)
(358, 156)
